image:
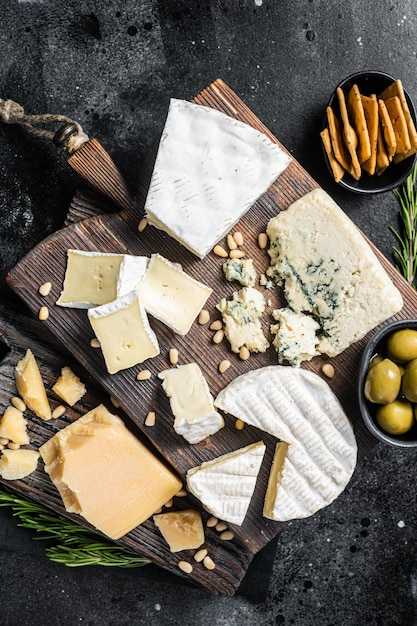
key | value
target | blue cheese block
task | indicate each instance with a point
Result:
(296, 337)
(241, 318)
(210, 168)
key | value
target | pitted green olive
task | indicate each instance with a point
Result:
(395, 418)
(383, 382)
(409, 381)
(402, 345)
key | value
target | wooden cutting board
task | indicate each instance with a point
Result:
(118, 232)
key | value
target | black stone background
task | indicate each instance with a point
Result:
(113, 66)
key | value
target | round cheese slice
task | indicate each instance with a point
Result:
(317, 453)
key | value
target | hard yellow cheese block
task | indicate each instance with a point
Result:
(69, 387)
(182, 530)
(30, 386)
(107, 475)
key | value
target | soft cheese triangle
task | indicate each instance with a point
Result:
(225, 485)
(210, 168)
(299, 408)
(329, 271)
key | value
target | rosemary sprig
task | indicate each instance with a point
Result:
(76, 546)
(406, 255)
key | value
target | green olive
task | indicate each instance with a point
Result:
(375, 359)
(409, 381)
(395, 418)
(383, 382)
(402, 345)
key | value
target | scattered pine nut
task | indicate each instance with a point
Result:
(238, 237)
(13, 446)
(231, 242)
(18, 404)
(236, 254)
(4, 441)
(169, 503)
(43, 313)
(158, 511)
(94, 343)
(262, 240)
(244, 353)
(203, 317)
(224, 366)
(239, 424)
(220, 251)
(173, 356)
(58, 411)
(208, 563)
(328, 370)
(114, 402)
(150, 419)
(200, 555)
(181, 493)
(45, 289)
(1, 446)
(143, 375)
(212, 521)
(220, 526)
(218, 336)
(185, 566)
(216, 325)
(226, 535)
(142, 224)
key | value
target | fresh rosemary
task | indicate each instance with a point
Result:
(74, 545)
(406, 254)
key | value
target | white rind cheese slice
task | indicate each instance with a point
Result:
(299, 408)
(191, 402)
(329, 271)
(124, 333)
(210, 168)
(171, 295)
(226, 484)
(131, 272)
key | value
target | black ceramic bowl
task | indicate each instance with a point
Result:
(377, 345)
(368, 83)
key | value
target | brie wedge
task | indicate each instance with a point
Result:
(210, 168)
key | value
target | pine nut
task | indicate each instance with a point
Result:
(262, 240)
(158, 511)
(173, 356)
(236, 254)
(231, 242)
(185, 566)
(216, 325)
(143, 375)
(328, 370)
(200, 555)
(18, 404)
(224, 366)
(142, 224)
(43, 313)
(208, 563)
(244, 353)
(220, 526)
(4, 441)
(13, 446)
(45, 289)
(238, 237)
(181, 493)
(114, 402)
(150, 419)
(1, 446)
(212, 521)
(227, 535)
(204, 317)
(94, 343)
(58, 411)
(239, 424)
(218, 336)
(169, 504)
(220, 251)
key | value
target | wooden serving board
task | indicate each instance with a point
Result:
(118, 232)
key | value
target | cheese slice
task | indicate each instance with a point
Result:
(105, 474)
(191, 402)
(241, 318)
(90, 279)
(226, 484)
(30, 386)
(13, 426)
(131, 272)
(171, 295)
(17, 464)
(69, 387)
(299, 408)
(210, 168)
(182, 530)
(329, 272)
(124, 333)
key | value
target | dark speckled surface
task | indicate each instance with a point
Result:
(113, 67)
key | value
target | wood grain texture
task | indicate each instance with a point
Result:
(118, 233)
